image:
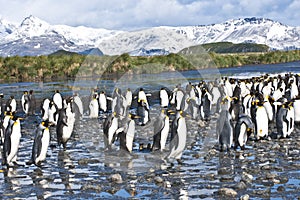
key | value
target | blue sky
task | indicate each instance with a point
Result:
(138, 14)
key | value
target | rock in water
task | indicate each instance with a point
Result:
(227, 192)
(116, 178)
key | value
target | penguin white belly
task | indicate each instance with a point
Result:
(130, 136)
(146, 118)
(13, 105)
(78, 102)
(182, 138)
(45, 107)
(284, 129)
(52, 115)
(94, 108)
(128, 98)
(142, 96)
(179, 99)
(297, 110)
(262, 122)
(243, 135)
(45, 143)
(57, 98)
(103, 102)
(216, 95)
(195, 112)
(112, 130)
(67, 130)
(15, 141)
(269, 110)
(164, 134)
(164, 98)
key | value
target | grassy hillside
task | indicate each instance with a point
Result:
(71, 65)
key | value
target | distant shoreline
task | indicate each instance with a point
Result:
(57, 68)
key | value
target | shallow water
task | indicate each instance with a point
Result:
(84, 170)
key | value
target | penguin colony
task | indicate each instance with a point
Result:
(246, 108)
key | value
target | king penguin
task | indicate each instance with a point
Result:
(11, 141)
(126, 134)
(25, 102)
(128, 97)
(79, 103)
(164, 98)
(261, 120)
(94, 107)
(102, 101)
(65, 125)
(285, 119)
(243, 129)
(40, 144)
(45, 109)
(143, 112)
(6, 120)
(205, 106)
(161, 131)
(297, 111)
(224, 127)
(53, 113)
(110, 126)
(178, 137)
(11, 104)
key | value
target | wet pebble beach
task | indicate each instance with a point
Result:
(266, 169)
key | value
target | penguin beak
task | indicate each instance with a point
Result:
(171, 112)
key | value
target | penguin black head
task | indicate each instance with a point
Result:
(12, 97)
(1, 95)
(8, 113)
(45, 123)
(69, 99)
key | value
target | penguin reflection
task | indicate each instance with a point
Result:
(64, 163)
(39, 181)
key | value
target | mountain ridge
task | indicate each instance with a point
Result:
(41, 38)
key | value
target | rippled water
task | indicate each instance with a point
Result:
(84, 170)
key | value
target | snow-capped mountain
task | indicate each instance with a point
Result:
(248, 30)
(36, 37)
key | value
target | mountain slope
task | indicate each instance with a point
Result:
(226, 47)
(36, 37)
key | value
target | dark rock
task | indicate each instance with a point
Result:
(280, 188)
(158, 179)
(240, 186)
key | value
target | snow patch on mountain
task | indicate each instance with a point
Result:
(36, 37)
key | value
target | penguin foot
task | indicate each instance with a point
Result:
(30, 162)
(17, 164)
(38, 164)
(179, 161)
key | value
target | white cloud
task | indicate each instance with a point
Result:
(134, 14)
